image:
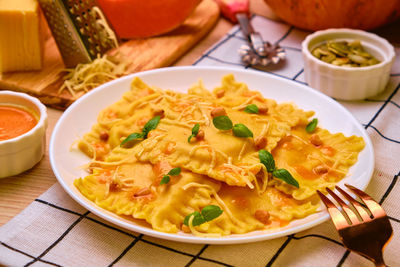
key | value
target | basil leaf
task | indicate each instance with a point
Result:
(197, 220)
(284, 175)
(312, 125)
(165, 179)
(190, 137)
(240, 130)
(195, 129)
(252, 108)
(222, 123)
(267, 159)
(132, 137)
(174, 171)
(211, 212)
(150, 125)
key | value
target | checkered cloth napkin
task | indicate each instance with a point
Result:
(54, 230)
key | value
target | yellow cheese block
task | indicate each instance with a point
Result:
(21, 38)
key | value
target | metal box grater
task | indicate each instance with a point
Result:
(79, 28)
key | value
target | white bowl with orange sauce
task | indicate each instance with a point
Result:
(23, 124)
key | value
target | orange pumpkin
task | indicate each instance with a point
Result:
(145, 18)
(323, 14)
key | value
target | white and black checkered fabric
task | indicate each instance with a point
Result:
(54, 230)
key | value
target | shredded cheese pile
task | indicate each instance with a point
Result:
(90, 75)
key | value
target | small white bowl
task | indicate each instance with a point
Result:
(23, 152)
(347, 83)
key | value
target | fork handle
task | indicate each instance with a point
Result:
(378, 260)
(380, 264)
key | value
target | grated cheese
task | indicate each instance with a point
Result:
(90, 75)
(186, 111)
(113, 163)
(242, 151)
(113, 179)
(295, 136)
(265, 181)
(107, 123)
(197, 121)
(142, 104)
(217, 198)
(261, 120)
(238, 170)
(141, 100)
(197, 233)
(245, 103)
(177, 123)
(204, 114)
(231, 176)
(265, 129)
(101, 20)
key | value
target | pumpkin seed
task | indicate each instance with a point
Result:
(373, 61)
(324, 50)
(328, 58)
(361, 52)
(340, 61)
(343, 53)
(355, 44)
(316, 53)
(358, 59)
(341, 48)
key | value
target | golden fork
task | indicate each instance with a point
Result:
(364, 228)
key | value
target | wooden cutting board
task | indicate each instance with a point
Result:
(145, 54)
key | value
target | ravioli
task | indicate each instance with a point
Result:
(220, 155)
(218, 168)
(133, 189)
(315, 167)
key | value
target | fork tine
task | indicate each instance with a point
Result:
(346, 209)
(360, 209)
(337, 217)
(373, 206)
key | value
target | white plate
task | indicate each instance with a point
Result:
(81, 115)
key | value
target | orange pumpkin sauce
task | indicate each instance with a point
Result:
(15, 121)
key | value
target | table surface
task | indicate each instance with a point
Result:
(17, 192)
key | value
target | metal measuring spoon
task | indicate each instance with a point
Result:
(257, 52)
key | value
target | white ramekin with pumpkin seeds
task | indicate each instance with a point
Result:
(346, 82)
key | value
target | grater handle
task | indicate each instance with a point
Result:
(68, 41)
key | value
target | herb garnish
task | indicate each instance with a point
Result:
(195, 131)
(222, 123)
(252, 108)
(165, 179)
(208, 213)
(172, 172)
(150, 125)
(312, 125)
(285, 175)
(240, 130)
(267, 159)
(132, 137)
(225, 123)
